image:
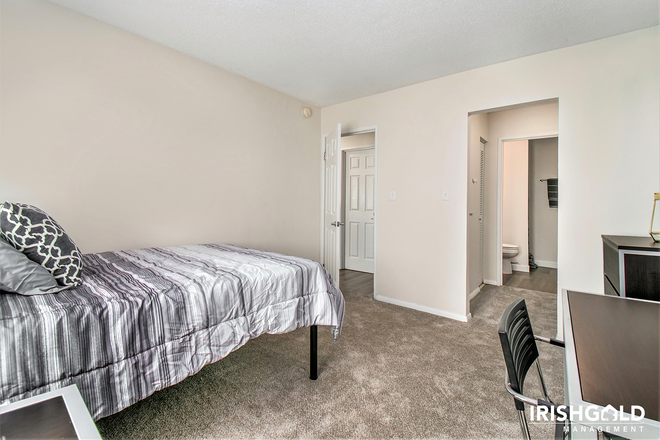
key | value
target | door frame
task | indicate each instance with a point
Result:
(367, 129)
(500, 186)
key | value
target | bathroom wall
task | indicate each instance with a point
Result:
(515, 200)
(542, 219)
(518, 123)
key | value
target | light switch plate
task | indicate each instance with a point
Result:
(392, 195)
(445, 194)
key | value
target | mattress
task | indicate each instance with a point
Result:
(146, 319)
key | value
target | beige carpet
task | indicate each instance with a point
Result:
(394, 373)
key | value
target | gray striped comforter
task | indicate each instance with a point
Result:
(146, 319)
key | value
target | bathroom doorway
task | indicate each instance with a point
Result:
(529, 213)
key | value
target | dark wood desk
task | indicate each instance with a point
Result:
(631, 266)
(613, 344)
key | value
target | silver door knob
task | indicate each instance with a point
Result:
(337, 224)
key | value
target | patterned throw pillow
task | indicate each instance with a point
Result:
(42, 240)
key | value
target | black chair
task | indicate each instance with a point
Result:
(520, 353)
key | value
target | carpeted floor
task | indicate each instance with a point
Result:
(394, 373)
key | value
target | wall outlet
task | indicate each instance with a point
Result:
(392, 195)
(445, 194)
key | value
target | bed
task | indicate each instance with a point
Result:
(143, 320)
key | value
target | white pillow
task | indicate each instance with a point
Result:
(19, 274)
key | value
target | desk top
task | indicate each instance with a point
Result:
(629, 242)
(49, 419)
(42, 420)
(617, 345)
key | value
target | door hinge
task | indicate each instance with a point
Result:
(325, 156)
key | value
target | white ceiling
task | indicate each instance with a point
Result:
(330, 51)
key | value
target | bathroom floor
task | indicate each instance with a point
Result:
(542, 279)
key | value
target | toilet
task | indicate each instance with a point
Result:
(508, 252)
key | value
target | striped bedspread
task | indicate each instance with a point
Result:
(146, 319)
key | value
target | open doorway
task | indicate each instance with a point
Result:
(488, 130)
(358, 201)
(358, 191)
(529, 214)
(353, 262)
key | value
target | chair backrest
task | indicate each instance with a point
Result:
(518, 345)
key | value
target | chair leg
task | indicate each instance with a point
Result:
(561, 430)
(523, 424)
(542, 382)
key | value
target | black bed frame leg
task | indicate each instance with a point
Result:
(313, 347)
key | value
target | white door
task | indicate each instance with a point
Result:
(360, 214)
(332, 199)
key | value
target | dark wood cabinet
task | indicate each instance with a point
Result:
(631, 267)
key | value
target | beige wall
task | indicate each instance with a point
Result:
(358, 140)
(515, 200)
(129, 144)
(542, 218)
(609, 153)
(527, 121)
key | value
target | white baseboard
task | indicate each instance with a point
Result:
(520, 267)
(475, 292)
(550, 264)
(443, 313)
(491, 282)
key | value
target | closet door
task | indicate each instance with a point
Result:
(360, 213)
